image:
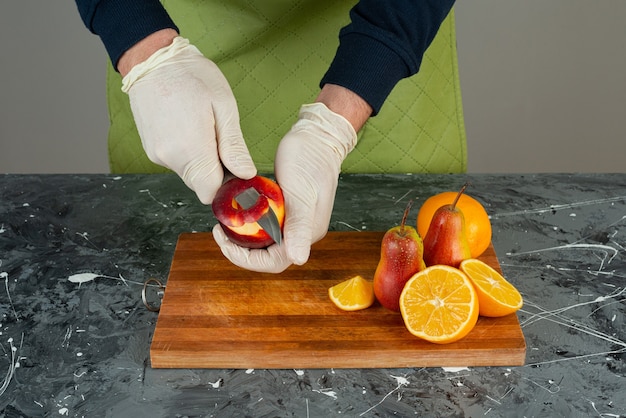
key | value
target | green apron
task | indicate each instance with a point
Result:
(274, 53)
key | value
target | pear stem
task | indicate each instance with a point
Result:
(406, 214)
(458, 196)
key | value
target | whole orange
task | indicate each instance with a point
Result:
(477, 223)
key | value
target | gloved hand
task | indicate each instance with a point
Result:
(307, 166)
(187, 117)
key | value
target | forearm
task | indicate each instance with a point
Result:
(345, 103)
(144, 49)
(121, 24)
(384, 42)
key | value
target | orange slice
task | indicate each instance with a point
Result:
(496, 296)
(439, 304)
(352, 294)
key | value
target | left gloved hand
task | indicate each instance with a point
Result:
(307, 166)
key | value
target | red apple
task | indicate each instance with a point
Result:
(240, 225)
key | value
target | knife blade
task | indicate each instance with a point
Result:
(269, 221)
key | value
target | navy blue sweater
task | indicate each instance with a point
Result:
(384, 42)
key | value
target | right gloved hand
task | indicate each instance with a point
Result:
(307, 166)
(187, 117)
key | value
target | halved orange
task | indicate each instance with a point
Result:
(352, 294)
(496, 296)
(439, 304)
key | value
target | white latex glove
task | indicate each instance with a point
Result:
(307, 166)
(187, 117)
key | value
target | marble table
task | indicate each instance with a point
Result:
(81, 348)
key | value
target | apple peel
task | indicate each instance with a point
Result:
(235, 215)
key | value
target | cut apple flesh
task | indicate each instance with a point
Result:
(253, 228)
(246, 229)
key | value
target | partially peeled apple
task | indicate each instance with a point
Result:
(240, 225)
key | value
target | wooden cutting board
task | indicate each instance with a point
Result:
(216, 315)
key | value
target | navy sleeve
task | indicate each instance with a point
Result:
(122, 23)
(384, 43)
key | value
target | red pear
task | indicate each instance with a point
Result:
(400, 258)
(446, 242)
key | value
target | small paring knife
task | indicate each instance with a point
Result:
(269, 221)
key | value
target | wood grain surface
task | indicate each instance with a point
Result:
(217, 315)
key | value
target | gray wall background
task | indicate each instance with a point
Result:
(543, 82)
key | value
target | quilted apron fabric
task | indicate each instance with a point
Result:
(274, 53)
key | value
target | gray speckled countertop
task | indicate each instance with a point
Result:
(82, 349)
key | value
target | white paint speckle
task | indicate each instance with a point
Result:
(299, 372)
(401, 380)
(328, 392)
(82, 277)
(217, 383)
(454, 369)
(64, 411)
(249, 371)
